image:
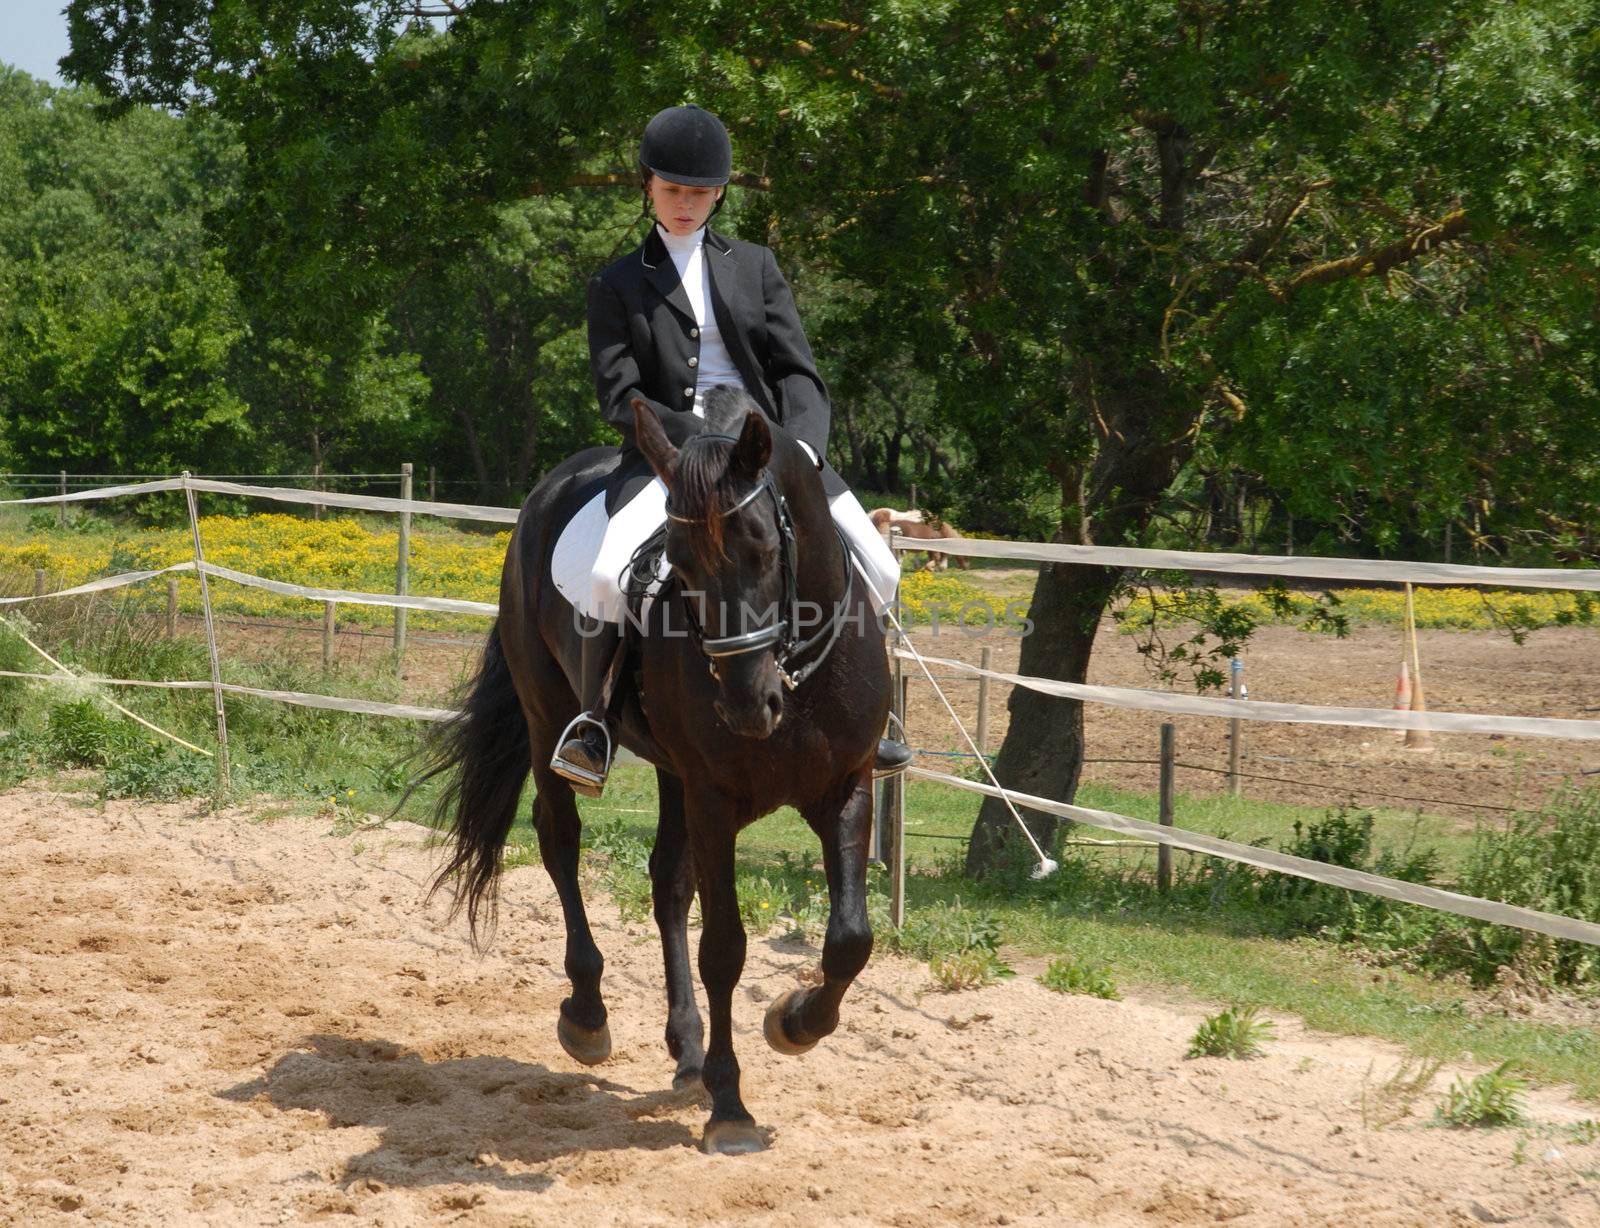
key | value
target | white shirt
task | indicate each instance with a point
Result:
(715, 363)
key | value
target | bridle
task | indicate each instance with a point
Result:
(781, 635)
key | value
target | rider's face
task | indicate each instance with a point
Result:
(681, 210)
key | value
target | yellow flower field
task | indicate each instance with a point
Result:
(348, 553)
(331, 553)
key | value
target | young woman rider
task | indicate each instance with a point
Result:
(685, 311)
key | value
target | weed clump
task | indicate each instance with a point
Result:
(1237, 1032)
(1493, 1098)
(1068, 975)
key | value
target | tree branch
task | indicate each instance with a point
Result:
(1376, 261)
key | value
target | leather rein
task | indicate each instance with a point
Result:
(781, 635)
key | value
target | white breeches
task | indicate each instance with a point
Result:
(592, 552)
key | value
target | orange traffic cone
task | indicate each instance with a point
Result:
(1416, 739)
(1402, 692)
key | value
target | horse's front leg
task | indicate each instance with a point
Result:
(672, 891)
(731, 1130)
(802, 1017)
(582, 1027)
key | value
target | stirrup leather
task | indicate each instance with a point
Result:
(572, 772)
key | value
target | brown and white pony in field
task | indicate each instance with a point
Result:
(921, 527)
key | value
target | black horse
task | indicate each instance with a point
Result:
(736, 724)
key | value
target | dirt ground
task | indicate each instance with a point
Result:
(226, 1020)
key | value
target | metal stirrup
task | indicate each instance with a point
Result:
(571, 771)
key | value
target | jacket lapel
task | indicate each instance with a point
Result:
(663, 274)
(734, 312)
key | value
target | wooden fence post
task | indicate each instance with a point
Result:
(1236, 729)
(897, 826)
(328, 629)
(983, 702)
(38, 581)
(1164, 851)
(433, 483)
(172, 607)
(61, 508)
(224, 784)
(402, 579)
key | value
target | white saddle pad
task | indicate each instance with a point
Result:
(577, 550)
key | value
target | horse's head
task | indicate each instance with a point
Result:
(730, 551)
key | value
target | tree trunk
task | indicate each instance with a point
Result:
(1146, 439)
(1043, 749)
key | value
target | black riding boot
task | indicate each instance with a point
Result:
(584, 757)
(892, 757)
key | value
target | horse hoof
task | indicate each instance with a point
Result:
(732, 1138)
(773, 1027)
(591, 1046)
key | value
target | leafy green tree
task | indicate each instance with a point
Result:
(118, 321)
(1125, 241)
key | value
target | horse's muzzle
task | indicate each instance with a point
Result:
(756, 720)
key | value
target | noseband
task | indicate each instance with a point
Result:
(781, 635)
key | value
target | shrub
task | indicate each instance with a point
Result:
(1493, 1098)
(1236, 1032)
(970, 969)
(159, 771)
(80, 734)
(1068, 975)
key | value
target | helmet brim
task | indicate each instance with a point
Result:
(688, 181)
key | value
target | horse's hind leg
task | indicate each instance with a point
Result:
(801, 1017)
(582, 1027)
(672, 889)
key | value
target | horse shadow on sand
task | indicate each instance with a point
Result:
(462, 1119)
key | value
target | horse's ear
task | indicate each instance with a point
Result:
(652, 439)
(754, 449)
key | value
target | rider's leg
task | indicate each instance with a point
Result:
(877, 566)
(584, 756)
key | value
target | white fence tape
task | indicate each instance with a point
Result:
(1584, 579)
(289, 494)
(333, 703)
(102, 584)
(445, 605)
(1266, 710)
(448, 605)
(104, 492)
(1301, 867)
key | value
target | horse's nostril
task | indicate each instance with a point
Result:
(775, 708)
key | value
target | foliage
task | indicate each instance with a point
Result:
(1236, 1032)
(1493, 1098)
(626, 868)
(975, 968)
(1070, 975)
(1463, 609)
(942, 599)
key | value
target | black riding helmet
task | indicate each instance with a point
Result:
(687, 145)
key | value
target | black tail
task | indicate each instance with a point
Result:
(485, 751)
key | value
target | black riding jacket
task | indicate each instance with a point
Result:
(643, 339)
